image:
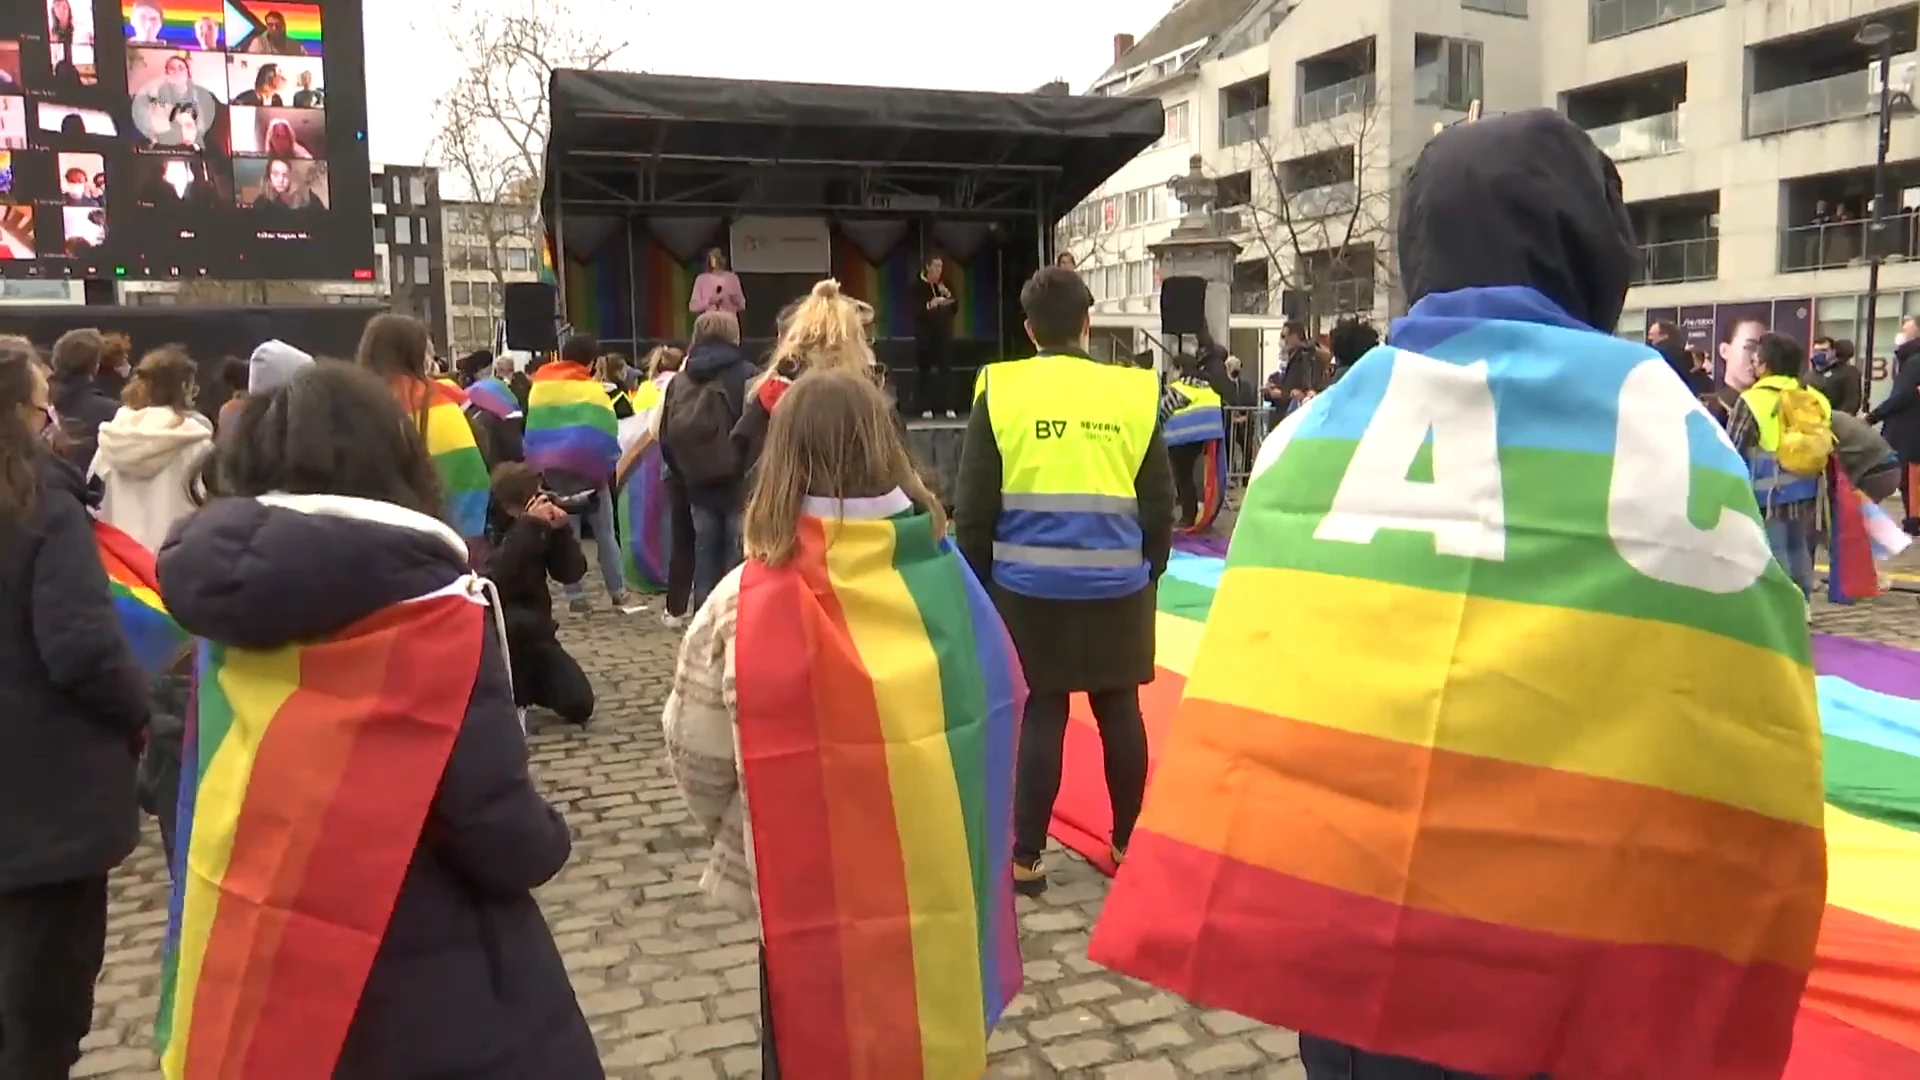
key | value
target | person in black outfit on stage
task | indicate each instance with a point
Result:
(933, 341)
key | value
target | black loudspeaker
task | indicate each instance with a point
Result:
(1294, 304)
(532, 310)
(1183, 305)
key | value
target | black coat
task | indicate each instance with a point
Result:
(1842, 386)
(467, 981)
(72, 700)
(529, 552)
(1900, 412)
(1067, 644)
(82, 406)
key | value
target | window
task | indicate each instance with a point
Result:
(1446, 72)
(1234, 190)
(420, 229)
(1109, 213)
(1612, 18)
(379, 189)
(518, 260)
(1141, 206)
(403, 230)
(417, 190)
(422, 270)
(462, 293)
(1140, 278)
(1516, 8)
(1176, 125)
(399, 270)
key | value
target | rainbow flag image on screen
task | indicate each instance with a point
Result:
(179, 24)
(270, 27)
(570, 423)
(879, 696)
(1510, 816)
(305, 780)
(156, 640)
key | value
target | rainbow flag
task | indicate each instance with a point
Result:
(879, 697)
(246, 19)
(1851, 576)
(495, 397)
(464, 479)
(570, 423)
(178, 19)
(1428, 833)
(283, 887)
(641, 506)
(156, 640)
(666, 283)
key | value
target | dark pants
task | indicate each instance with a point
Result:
(933, 374)
(1186, 460)
(1036, 781)
(545, 674)
(1325, 1059)
(53, 939)
(680, 556)
(769, 1060)
(716, 546)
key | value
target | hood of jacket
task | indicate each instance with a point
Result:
(141, 443)
(267, 572)
(273, 364)
(78, 396)
(1524, 199)
(708, 360)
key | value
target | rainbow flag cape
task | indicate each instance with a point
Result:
(1851, 576)
(879, 697)
(464, 480)
(495, 397)
(156, 640)
(641, 506)
(1424, 831)
(570, 423)
(283, 887)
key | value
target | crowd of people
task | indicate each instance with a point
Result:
(323, 492)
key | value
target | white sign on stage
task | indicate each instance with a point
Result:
(782, 245)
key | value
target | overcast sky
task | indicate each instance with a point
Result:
(1009, 45)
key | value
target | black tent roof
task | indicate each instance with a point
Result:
(1079, 140)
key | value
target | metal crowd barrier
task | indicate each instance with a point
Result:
(1247, 425)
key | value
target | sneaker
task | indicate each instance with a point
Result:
(580, 605)
(674, 622)
(1029, 879)
(628, 604)
(951, 416)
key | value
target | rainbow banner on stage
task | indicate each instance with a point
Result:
(1416, 826)
(464, 481)
(570, 423)
(495, 397)
(156, 640)
(879, 697)
(306, 778)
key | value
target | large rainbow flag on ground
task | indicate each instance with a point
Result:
(464, 482)
(879, 697)
(156, 640)
(306, 777)
(1393, 813)
(571, 427)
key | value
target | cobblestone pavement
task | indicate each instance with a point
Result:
(669, 984)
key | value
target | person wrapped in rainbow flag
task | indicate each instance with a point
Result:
(1544, 797)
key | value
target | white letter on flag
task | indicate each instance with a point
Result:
(1463, 507)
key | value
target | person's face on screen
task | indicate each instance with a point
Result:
(74, 183)
(62, 13)
(280, 138)
(306, 80)
(279, 179)
(177, 75)
(146, 24)
(276, 26)
(207, 32)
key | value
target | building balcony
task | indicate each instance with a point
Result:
(1612, 18)
(1809, 104)
(1246, 127)
(1350, 95)
(1647, 137)
(1323, 201)
(1843, 244)
(1678, 260)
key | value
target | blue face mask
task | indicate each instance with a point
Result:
(1821, 359)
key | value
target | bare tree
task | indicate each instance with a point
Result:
(493, 123)
(1319, 200)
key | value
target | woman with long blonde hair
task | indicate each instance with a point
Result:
(847, 553)
(825, 330)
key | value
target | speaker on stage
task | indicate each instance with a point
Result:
(1183, 305)
(532, 309)
(1294, 305)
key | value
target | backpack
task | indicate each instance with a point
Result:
(697, 431)
(482, 422)
(1806, 435)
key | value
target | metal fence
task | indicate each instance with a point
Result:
(1247, 426)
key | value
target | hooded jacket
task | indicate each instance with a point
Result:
(1900, 411)
(149, 463)
(273, 364)
(467, 981)
(708, 361)
(72, 700)
(82, 407)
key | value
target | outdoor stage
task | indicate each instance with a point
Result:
(646, 173)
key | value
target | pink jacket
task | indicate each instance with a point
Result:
(717, 290)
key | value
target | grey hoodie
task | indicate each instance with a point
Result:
(273, 365)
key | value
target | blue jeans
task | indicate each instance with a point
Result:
(1325, 1059)
(1793, 551)
(605, 542)
(716, 549)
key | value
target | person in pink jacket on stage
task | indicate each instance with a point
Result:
(717, 288)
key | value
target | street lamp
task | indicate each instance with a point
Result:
(1876, 35)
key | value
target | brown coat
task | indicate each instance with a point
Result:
(1067, 644)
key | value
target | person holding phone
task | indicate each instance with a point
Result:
(717, 288)
(532, 542)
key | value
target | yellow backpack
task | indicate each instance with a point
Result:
(1806, 431)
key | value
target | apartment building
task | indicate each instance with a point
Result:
(1307, 113)
(488, 247)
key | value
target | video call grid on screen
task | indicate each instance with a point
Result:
(153, 139)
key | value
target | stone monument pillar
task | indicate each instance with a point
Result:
(1197, 247)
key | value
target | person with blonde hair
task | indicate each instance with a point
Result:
(151, 452)
(697, 417)
(847, 554)
(825, 330)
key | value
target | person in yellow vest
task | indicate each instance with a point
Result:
(1789, 501)
(1064, 507)
(1193, 417)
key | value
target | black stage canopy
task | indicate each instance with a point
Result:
(652, 143)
